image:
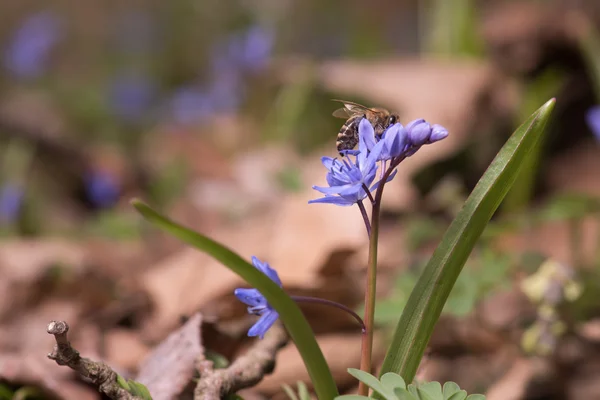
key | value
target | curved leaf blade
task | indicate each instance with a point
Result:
(289, 312)
(433, 287)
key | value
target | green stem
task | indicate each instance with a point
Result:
(369, 318)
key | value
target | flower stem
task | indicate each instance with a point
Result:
(363, 212)
(368, 192)
(306, 299)
(367, 337)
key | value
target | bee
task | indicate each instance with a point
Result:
(347, 138)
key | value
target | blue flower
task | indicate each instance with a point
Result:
(102, 189)
(189, 105)
(29, 49)
(257, 304)
(395, 139)
(593, 120)
(11, 199)
(130, 96)
(347, 179)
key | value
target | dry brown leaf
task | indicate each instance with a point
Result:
(169, 369)
(513, 385)
(576, 169)
(36, 370)
(124, 349)
(340, 351)
(553, 241)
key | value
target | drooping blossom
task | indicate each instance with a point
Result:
(257, 304)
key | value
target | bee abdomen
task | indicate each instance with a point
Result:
(347, 138)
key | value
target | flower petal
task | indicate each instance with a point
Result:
(266, 269)
(592, 118)
(340, 201)
(251, 297)
(438, 133)
(366, 135)
(265, 322)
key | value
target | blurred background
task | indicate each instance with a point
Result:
(217, 113)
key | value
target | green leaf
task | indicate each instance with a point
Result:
(476, 397)
(430, 391)
(392, 381)
(289, 392)
(351, 397)
(371, 382)
(303, 391)
(403, 394)
(138, 389)
(135, 388)
(452, 392)
(288, 310)
(433, 287)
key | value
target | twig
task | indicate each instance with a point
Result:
(100, 374)
(244, 372)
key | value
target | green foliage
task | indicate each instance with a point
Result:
(302, 394)
(288, 310)
(135, 388)
(489, 271)
(393, 387)
(429, 295)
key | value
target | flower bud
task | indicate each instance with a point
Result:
(419, 132)
(438, 133)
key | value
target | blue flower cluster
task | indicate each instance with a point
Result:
(257, 304)
(11, 199)
(593, 120)
(29, 49)
(351, 181)
(102, 189)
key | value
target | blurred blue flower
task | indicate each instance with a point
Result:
(257, 304)
(130, 96)
(257, 48)
(102, 189)
(244, 51)
(225, 92)
(11, 199)
(593, 120)
(347, 179)
(188, 105)
(29, 49)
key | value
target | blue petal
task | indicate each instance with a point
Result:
(340, 201)
(438, 133)
(264, 323)
(366, 135)
(328, 162)
(396, 139)
(332, 190)
(376, 185)
(418, 132)
(251, 297)
(266, 269)
(593, 120)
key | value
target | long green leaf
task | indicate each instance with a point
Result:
(433, 287)
(288, 310)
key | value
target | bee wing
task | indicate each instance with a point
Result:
(342, 113)
(350, 109)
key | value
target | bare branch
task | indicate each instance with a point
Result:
(244, 372)
(99, 373)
